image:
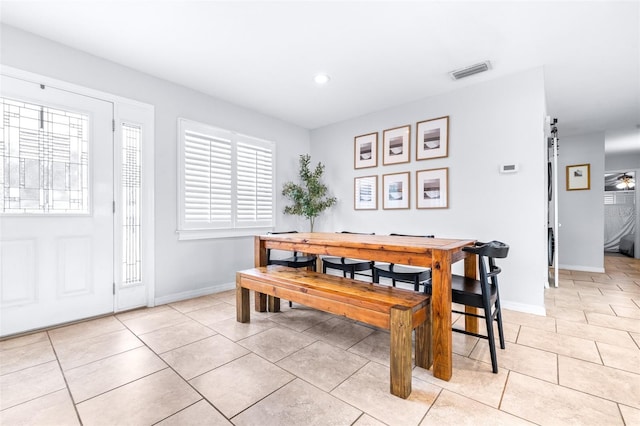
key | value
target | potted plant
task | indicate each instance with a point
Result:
(310, 197)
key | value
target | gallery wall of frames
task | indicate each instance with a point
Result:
(394, 189)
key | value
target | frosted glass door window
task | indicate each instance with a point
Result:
(131, 266)
(45, 159)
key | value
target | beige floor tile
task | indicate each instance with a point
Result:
(627, 359)
(276, 343)
(30, 383)
(202, 356)
(605, 382)
(26, 356)
(636, 338)
(598, 334)
(53, 409)
(194, 304)
(85, 330)
(155, 321)
(523, 359)
(339, 332)
(137, 313)
(471, 378)
(368, 390)
(199, 414)
(548, 404)
(585, 306)
(23, 340)
(101, 376)
(464, 344)
(511, 330)
(74, 353)
(175, 336)
(366, 420)
(453, 409)
(375, 347)
(567, 314)
(560, 344)
(611, 321)
(630, 415)
(145, 401)
(213, 314)
(241, 383)
(530, 320)
(322, 365)
(301, 318)
(234, 330)
(619, 300)
(629, 286)
(626, 312)
(298, 403)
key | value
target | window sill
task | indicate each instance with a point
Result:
(208, 234)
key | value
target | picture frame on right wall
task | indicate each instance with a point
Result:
(432, 138)
(432, 189)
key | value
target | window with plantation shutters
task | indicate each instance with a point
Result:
(226, 182)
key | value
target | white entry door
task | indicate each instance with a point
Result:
(56, 208)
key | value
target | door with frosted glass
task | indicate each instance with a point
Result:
(56, 206)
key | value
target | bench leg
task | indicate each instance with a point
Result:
(424, 349)
(261, 302)
(274, 304)
(401, 328)
(243, 311)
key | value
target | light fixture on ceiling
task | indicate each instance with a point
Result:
(470, 70)
(626, 181)
(321, 78)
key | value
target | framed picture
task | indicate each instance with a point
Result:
(396, 191)
(578, 177)
(365, 193)
(432, 138)
(366, 151)
(396, 143)
(432, 189)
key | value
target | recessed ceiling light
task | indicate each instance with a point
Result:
(321, 78)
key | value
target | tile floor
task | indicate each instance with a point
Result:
(191, 363)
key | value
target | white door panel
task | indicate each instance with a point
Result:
(56, 241)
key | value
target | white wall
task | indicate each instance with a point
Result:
(621, 162)
(581, 213)
(183, 268)
(490, 124)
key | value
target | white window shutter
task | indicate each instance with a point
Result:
(226, 182)
(207, 181)
(254, 184)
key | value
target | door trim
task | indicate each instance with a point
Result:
(125, 110)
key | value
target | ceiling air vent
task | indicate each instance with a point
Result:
(471, 70)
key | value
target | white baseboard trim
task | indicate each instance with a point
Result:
(176, 297)
(522, 307)
(582, 268)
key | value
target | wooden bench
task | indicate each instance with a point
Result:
(397, 310)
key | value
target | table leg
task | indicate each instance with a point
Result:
(471, 271)
(441, 314)
(260, 259)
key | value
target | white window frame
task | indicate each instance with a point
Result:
(222, 229)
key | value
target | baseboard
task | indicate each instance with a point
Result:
(522, 307)
(582, 268)
(176, 297)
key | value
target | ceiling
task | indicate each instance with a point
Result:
(263, 55)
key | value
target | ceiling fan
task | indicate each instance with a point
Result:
(625, 181)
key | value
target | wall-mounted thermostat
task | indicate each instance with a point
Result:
(508, 168)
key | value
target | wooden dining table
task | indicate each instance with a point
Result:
(435, 253)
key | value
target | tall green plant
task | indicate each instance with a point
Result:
(310, 197)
